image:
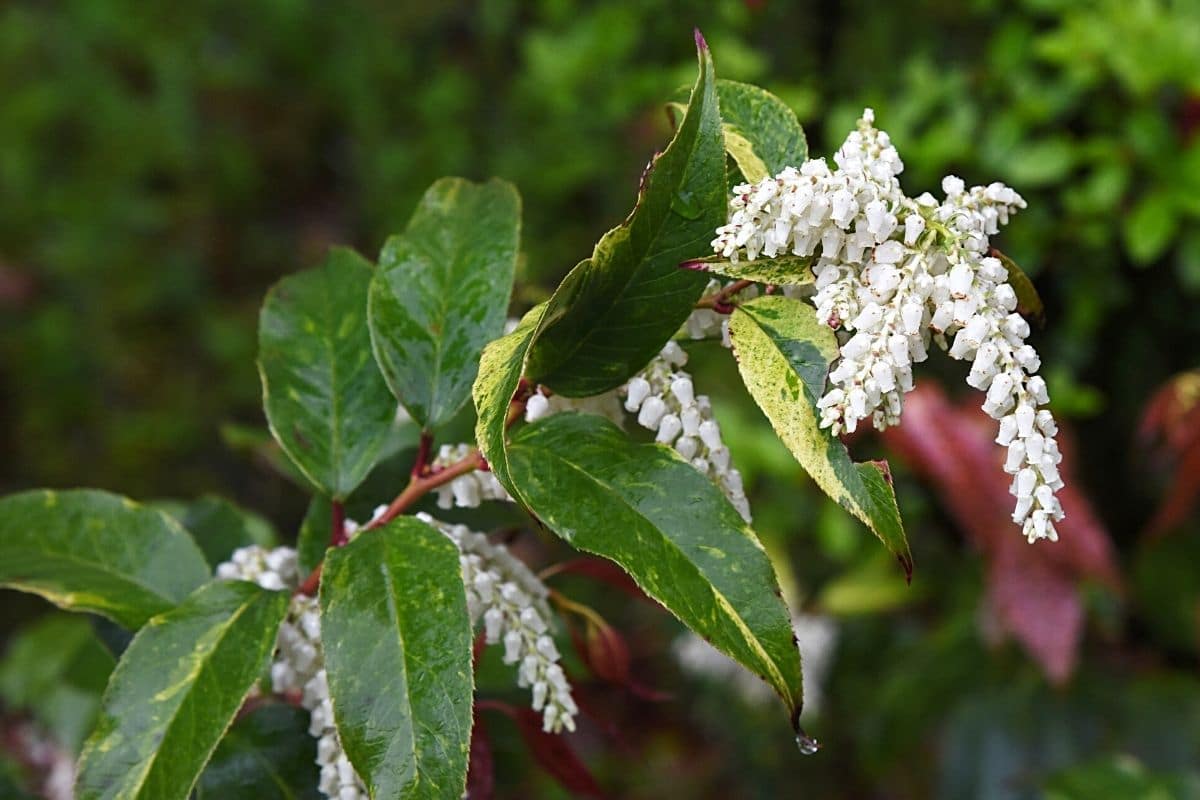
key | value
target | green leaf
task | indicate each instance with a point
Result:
(615, 310)
(784, 354)
(87, 550)
(784, 270)
(1150, 227)
(1029, 304)
(762, 134)
(268, 755)
(220, 527)
(327, 405)
(175, 691)
(441, 293)
(668, 526)
(398, 655)
(500, 370)
(56, 670)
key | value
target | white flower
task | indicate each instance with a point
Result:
(467, 490)
(663, 396)
(895, 273)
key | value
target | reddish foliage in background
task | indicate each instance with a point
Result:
(481, 767)
(601, 570)
(552, 752)
(1033, 590)
(1170, 432)
(555, 756)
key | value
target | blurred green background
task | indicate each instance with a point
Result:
(161, 164)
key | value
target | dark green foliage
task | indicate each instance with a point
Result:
(395, 627)
(324, 397)
(266, 755)
(669, 527)
(441, 293)
(94, 551)
(176, 690)
(615, 310)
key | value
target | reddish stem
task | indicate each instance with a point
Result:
(424, 447)
(337, 532)
(722, 301)
(416, 488)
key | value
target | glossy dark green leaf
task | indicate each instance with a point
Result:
(55, 671)
(783, 354)
(615, 310)
(1029, 304)
(441, 293)
(326, 402)
(500, 371)
(87, 550)
(669, 527)
(785, 270)
(267, 755)
(175, 691)
(398, 655)
(220, 527)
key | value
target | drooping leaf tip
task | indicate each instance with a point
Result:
(807, 744)
(906, 563)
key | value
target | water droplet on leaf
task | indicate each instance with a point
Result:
(686, 205)
(807, 744)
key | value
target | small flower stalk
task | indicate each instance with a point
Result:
(895, 274)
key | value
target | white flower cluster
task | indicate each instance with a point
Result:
(607, 405)
(511, 601)
(470, 489)
(276, 569)
(665, 401)
(894, 273)
(298, 668)
(662, 398)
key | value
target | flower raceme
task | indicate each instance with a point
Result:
(894, 274)
(501, 590)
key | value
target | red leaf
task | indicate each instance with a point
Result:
(554, 755)
(601, 570)
(1170, 432)
(1033, 590)
(481, 769)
